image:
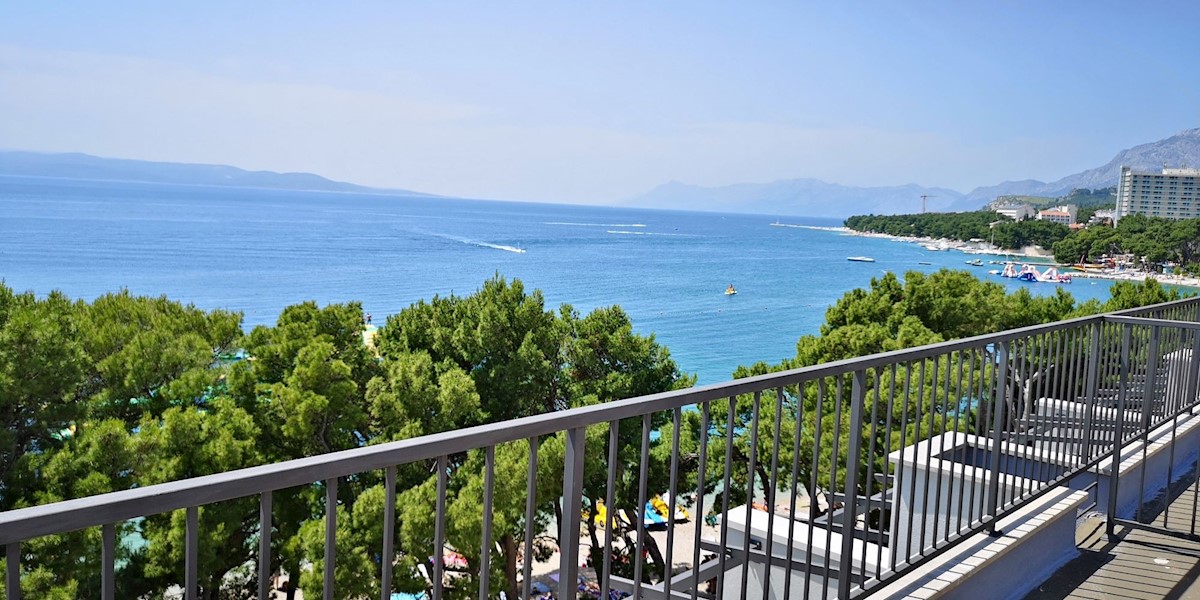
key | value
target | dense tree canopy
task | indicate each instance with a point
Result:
(1155, 239)
(982, 225)
(129, 391)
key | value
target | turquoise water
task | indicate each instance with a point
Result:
(257, 251)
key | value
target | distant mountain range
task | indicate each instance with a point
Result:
(85, 166)
(806, 197)
(812, 197)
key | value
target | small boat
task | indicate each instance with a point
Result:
(729, 291)
(975, 263)
(860, 258)
(924, 263)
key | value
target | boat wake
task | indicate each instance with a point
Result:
(626, 232)
(479, 243)
(814, 227)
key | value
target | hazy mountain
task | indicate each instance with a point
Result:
(806, 197)
(1181, 149)
(812, 197)
(84, 166)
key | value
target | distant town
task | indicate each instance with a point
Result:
(1147, 225)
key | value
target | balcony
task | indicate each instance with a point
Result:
(935, 471)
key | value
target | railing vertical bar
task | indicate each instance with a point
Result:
(959, 409)
(1049, 369)
(669, 556)
(191, 559)
(12, 576)
(795, 488)
(485, 550)
(889, 483)
(1170, 468)
(108, 559)
(976, 387)
(993, 493)
(1114, 475)
(610, 491)
(769, 488)
(1030, 391)
(530, 517)
(750, 472)
(945, 518)
(1066, 447)
(389, 533)
(1092, 383)
(1191, 395)
(898, 486)
(929, 451)
(265, 500)
(725, 482)
(838, 401)
(918, 404)
(1028, 346)
(869, 485)
(698, 510)
(812, 489)
(1042, 445)
(1070, 447)
(439, 526)
(853, 456)
(643, 463)
(572, 499)
(1149, 400)
(1172, 404)
(331, 486)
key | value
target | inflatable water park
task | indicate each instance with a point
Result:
(1031, 274)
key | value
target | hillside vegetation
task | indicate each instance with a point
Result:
(982, 225)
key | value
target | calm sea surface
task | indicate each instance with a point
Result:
(257, 251)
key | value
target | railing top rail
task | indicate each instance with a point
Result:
(1147, 322)
(1133, 312)
(97, 510)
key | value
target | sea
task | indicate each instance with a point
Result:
(257, 251)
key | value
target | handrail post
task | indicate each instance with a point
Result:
(568, 536)
(108, 551)
(1114, 468)
(993, 492)
(331, 486)
(12, 553)
(389, 534)
(857, 399)
(191, 587)
(264, 546)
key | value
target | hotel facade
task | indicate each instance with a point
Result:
(1173, 193)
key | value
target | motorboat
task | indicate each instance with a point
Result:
(860, 258)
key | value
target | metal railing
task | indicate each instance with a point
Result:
(824, 481)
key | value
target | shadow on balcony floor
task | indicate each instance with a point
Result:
(1137, 565)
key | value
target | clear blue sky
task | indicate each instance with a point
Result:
(595, 102)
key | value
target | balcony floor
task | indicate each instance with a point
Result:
(1138, 565)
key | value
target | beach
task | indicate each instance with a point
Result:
(1033, 254)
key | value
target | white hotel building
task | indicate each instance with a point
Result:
(1171, 194)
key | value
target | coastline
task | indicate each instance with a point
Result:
(1030, 252)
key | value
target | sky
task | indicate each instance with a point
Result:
(593, 103)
